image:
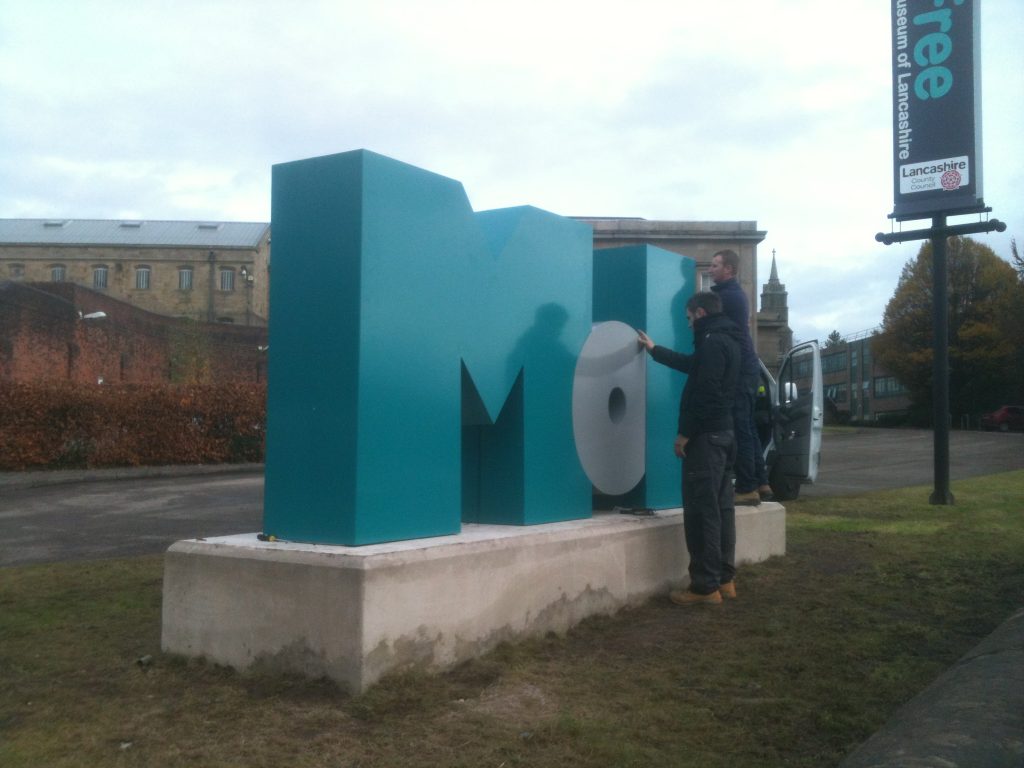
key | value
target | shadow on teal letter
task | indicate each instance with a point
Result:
(399, 315)
(647, 288)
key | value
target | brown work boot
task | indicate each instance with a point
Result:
(765, 492)
(749, 499)
(686, 597)
(728, 589)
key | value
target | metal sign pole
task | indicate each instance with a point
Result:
(938, 233)
(936, 152)
(940, 364)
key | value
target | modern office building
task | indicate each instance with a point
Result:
(857, 388)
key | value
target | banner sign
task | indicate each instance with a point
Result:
(936, 115)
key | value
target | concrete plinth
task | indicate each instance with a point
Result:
(355, 613)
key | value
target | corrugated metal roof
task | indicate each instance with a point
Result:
(127, 232)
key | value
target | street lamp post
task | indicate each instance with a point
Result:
(248, 279)
(87, 319)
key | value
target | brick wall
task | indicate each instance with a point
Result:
(43, 336)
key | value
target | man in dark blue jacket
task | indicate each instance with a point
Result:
(751, 477)
(706, 442)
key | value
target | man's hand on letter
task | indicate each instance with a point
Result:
(680, 446)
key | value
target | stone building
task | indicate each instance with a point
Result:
(206, 271)
(219, 272)
(700, 240)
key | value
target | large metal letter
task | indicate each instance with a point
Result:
(398, 315)
(647, 288)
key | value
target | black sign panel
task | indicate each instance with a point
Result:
(936, 115)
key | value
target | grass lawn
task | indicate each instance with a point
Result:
(878, 594)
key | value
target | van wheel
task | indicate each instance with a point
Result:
(784, 487)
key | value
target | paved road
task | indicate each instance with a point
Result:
(47, 517)
(855, 461)
(122, 517)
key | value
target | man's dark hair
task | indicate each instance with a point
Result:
(709, 302)
(730, 259)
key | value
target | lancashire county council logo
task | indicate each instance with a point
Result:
(951, 180)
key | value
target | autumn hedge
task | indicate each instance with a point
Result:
(78, 426)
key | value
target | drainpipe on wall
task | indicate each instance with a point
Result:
(210, 314)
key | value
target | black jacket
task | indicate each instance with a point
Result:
(736, 308)
(712, 374)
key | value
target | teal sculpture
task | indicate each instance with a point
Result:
(421, 356)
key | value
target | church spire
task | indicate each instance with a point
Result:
(773, 294)
(775, 337)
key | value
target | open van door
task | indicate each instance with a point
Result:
(793, 449)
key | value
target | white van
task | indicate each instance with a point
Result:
(789, 413)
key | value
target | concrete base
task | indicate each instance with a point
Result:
(355, 613)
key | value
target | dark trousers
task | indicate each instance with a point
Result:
(750, 469)
(709, 516)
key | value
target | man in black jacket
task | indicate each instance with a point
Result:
(751, 478)
(706, 443)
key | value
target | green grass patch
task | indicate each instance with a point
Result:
(837, 429)
(878, 594)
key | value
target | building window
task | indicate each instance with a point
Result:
(833, 363)
(704, 278)
(185, 278)
(227, 279)
(888, 386)
(142, 278)
(99, 277)
(16, 271)
(837, 392)
(58, 273)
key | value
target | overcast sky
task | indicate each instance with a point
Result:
(770, 110)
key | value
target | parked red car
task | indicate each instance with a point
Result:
(1006, 418)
